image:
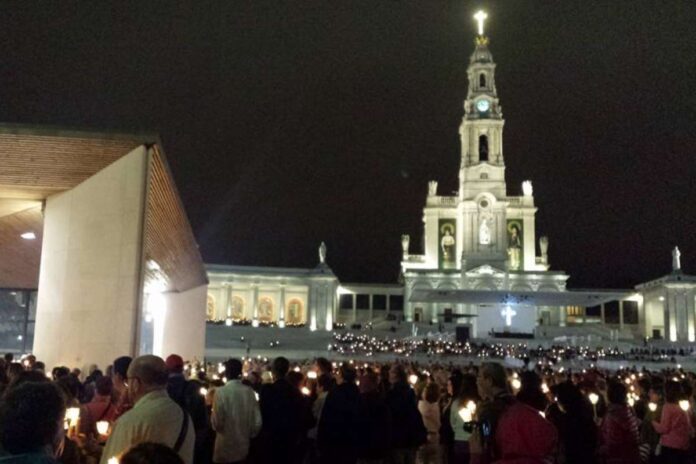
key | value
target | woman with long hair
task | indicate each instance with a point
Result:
(463, 399)
(675, 427)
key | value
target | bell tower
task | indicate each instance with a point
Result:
(481, 131)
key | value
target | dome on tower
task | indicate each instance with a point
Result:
(481, 53)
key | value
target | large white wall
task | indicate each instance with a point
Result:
(184, 324)
(90, 267)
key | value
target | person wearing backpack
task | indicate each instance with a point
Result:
(186, 393)
(508, 431)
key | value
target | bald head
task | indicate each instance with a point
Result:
(150, 371)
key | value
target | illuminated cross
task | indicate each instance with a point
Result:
(508, 313)
(480, 17)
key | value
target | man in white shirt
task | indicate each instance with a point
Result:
(154, 417)
(236, 417)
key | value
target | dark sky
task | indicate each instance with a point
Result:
(288, 123)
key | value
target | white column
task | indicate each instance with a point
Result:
(255, 307)
(691, 317)
(621, 315)
(672, 308)
(281, 318)
(371, 311)
(330, 314)
(228, 300)
(355, 311)
(562, 316)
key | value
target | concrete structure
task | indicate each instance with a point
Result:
(119, 266)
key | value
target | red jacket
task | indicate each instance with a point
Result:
(619, 436)
(522, 436)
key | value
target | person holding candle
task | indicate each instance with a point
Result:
(465, 399)
(649, 438)
(99, 409)
(154, 416)
(674, 427)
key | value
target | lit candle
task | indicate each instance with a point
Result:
(413, 378)
(544, 388)
(72, 415)
(102, 427)
(516, 384)
(684, 404)
(652, 406)
(471, 406)
(203, 391)
(113, 460)
(311, 375)
(465, 414)
(594, 398)
(305, 391)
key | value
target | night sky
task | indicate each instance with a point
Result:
(288, 123)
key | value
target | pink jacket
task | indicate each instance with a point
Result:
(674, 427)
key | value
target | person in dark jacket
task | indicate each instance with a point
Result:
(186, 393)
(339, 425)
(282, 414)
(578, 434)
(375, 421)
(408, 430)
(530, 392)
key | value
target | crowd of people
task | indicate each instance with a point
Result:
(350, 343)
(260, 411)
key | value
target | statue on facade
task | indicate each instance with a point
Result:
(484, 232)
(432, 188)
(544, 247)
(322, 253)
(527, 189)
(676, 260)
(405, 240)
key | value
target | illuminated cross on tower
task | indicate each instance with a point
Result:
(508, 313)
(480, 17)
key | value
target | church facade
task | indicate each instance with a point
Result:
(483, 267)
(482, 238)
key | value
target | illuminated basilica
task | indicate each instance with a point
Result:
(483, 270)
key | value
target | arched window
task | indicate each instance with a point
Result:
(237, 308)
(483, 148)
(210, 308)
(265, 309)
(294, 312)
(482, 80)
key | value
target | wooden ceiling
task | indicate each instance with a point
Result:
(168, 238)
(38, 162)
(20, 258)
